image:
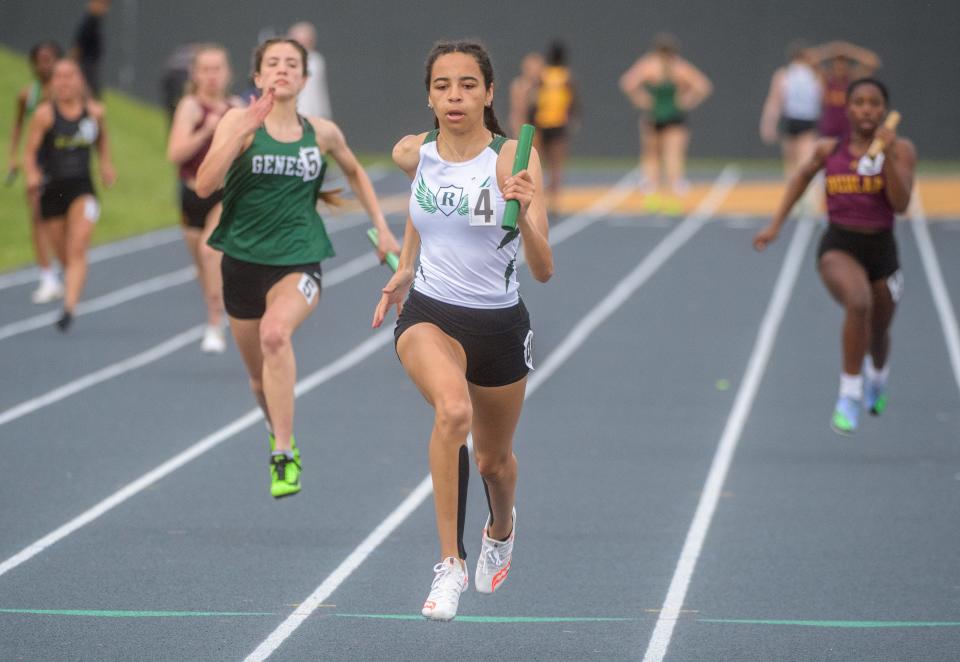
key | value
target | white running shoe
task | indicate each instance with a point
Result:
(49, 290)
(214, 340)
(493, 564)
(450, 581)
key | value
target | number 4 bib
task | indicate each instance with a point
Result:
(483, 208)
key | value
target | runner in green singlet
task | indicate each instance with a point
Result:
(666, 87)
(270, 161)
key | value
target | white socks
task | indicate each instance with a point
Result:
(874, 375)
(49, 275)
(851, 386)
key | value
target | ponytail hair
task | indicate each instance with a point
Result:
(490, 121)
(331, 197)
(478, 52)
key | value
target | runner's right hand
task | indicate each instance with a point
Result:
(393, 294)
(765, 237)
(257, 111)
(33, 180)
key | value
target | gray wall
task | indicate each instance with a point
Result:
(375, 51)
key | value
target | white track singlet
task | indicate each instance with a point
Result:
(802, 92)
(466, 258)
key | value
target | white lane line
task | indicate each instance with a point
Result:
(101, 253)
(349, 269)
(336, 276)
(325, 374)
(763, 347)
(334, 224)
(153, 239)
(109, 300)
(938, 288)
(156, 353)
(163, 282)
(600, 208)
(593, 319)
(642, 272)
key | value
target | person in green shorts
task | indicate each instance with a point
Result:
(270, 161)
(665, 87)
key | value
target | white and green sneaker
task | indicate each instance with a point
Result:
(876, 397)
(846, 415)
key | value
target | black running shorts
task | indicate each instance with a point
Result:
(877, 252)
(498, 342)
(57, 196)
(245, 285)
(195, 209)
(790, 127)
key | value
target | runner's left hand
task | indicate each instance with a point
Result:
(108, 174)
(520, 187)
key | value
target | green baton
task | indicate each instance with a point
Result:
(393, 260)
(520, 161)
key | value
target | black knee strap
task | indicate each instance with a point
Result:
(486, 491)
(464, 479)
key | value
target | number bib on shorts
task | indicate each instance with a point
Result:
(465, 257)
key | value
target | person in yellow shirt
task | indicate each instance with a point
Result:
(556, 112)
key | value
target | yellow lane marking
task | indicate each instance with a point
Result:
(941, 199)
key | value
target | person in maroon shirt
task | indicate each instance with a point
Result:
(191, 133)
(857, 256)
(840, 63)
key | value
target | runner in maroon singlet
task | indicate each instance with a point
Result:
(857, 255)
(191, 133)
(840, 63)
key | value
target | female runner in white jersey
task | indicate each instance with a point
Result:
(463, 334)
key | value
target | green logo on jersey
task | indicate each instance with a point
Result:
(511, 267)
(446, 200)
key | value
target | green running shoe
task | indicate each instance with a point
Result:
(293, 446)
(284, 476)
(845, 415)
(876, 397)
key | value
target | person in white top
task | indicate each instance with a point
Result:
(314, 100)
(792, 107)
(463, 335)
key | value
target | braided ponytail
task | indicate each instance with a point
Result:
(490, 121)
